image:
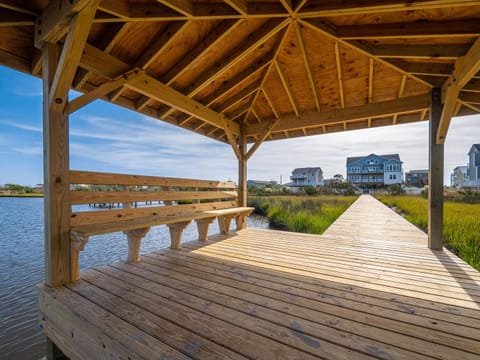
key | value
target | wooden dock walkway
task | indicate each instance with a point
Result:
(368, 288)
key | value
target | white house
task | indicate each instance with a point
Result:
(459, 177)
(474, 166)
(311, 176)
(375, 170)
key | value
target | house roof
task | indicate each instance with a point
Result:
(307, 169)
(423, 171)
(351, 160)
(277, 69)
(475, 148)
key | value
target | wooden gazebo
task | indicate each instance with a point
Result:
(244, 72)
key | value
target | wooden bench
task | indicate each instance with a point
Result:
(180, 201)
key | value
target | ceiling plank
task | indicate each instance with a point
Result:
(308, 66)
(378, 109)
(444, 51)
(465, 69)
(249, 90)
(370, 79)
(55, 20)
(18, 7)
(155, 89)
(149, 55)
(212, 39)
(345, 8)
(429, 69)
(70, 56)
(286, 86)
(119, 8)
(470, 97)
(270, 103)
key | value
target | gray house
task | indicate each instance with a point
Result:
(459, 177)
(418, 178)
(474, 166)
(374, 170)
(311, 176)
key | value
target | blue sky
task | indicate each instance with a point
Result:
(104, 137)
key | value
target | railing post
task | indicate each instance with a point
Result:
(56, 183)
(435, 176)
(242, 167)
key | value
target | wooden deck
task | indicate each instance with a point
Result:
(368, 288)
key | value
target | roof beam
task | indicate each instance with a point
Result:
(55, 20)
(241, 6)
(249, 90)
(284, 80)
(444, 51)
(429, 69)
(356, 7)
(101, 91)
(213, 38)
(270, 103)
(410, 30)
(328, 30)
(308, 66)
(268, 30)
(378, 109)
(339, 74)
(184, 7)
(70, 56)
(18, 7)
(465, 69)
(263, 136)
(155, 89)
(14, 18)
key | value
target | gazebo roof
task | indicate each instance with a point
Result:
(276, 69)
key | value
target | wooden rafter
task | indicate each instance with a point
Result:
(14, 18)
(249, 90)
(286, 86)
(263, 136)
(70, 56)
(327, 30)
(212, 39)
(345, 8)
(370, 79)
(378, 109)
(308, 66)
(101, 91)
(402, 86)
(270, 103)
(444, 51)
(339, 75)
(429, 69)
(20, 7)
(107, 44)
(410, 30)
(465, 68)
(241, 6)
(153, 88)
(55, 20)
(184, 7)
(269, 29)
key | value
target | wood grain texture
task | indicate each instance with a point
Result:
(368, 288)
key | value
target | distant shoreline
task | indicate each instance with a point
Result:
(23, 195)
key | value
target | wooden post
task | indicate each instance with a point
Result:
(56, 183)
(435, 176)
(242, 167)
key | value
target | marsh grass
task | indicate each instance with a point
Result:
(461, 223)
(304, 214)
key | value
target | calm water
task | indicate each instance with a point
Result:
(21, 267)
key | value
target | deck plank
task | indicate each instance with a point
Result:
(367, 288)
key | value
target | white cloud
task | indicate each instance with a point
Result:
(22, 126)
(29, 150)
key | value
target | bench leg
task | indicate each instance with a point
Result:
(176, 232)
(134, 238)
(77, 243)
(241, 221)
(202, 226)
(224, 223)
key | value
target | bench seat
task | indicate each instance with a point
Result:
(225, 217)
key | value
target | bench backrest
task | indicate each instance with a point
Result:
(174, 196)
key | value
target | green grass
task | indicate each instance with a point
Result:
(461, 223)
(306, 214)
(21, 195)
